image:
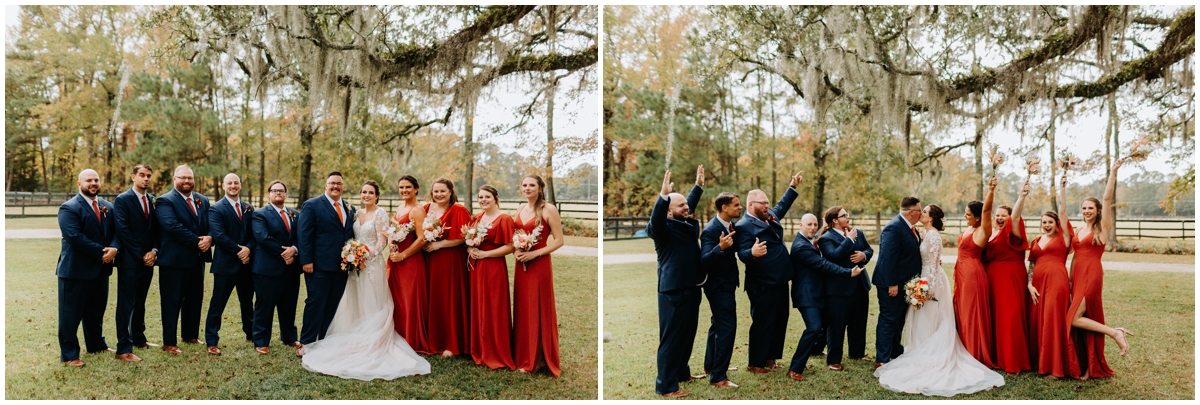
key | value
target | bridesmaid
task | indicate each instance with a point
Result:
(972, 309)
(535, 321)
(1087, 282)
(446, 261)
(1050, 293)
(406, 278)
(491, 321)
(1004, 262)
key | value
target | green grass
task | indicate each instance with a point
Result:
(31, 223)
(33, 369)
(1158, 307)
(585, 241)
(628, 246)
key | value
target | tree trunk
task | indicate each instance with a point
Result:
(1050, 135)
(1114, 123)
(306, 140)
(550, 144)
(774, 143)
(979, 180)
(469, 155)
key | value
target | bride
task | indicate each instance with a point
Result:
(361, 342)
(926, 367)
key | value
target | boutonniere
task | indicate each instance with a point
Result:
(291, 215)
(772, 218)
(103, 210)
(153, 201)
(246, 209)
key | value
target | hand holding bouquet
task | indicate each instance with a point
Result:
(526, 241)
(474, 234)
(431, 229)
(916, 292)
(397, 233)
(354, 255)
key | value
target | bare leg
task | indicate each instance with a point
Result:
(1082, 322)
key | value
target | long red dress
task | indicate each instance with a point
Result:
(491, 319)
(1004, 262)
(535, 321)
(409, 293)
(972, 309)
(1087, 282)
(1049, 324)
(449, 311)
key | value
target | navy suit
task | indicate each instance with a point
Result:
(901, 254)
(320, 241)
(229, 230)
(847, 299)
(722, 269)
(276, 284)
(808, 287)
(679, 280)
(181, 263)
(766, 281)
(138, 232)
(82, 274)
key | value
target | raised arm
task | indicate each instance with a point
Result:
(1062, 212)
(658, 214)
(1017, 208)
(789, 196)
(1109, 218)
(985, 222)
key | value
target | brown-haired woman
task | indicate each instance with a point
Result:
(406, 278)
(972, 308)
(535, 319)
(1004, 262)
(446, 264)
(491, 321)
(1050, 293)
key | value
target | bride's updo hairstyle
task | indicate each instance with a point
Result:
(936, 213)
(375, 186)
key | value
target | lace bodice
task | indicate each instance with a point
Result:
(931, 252)
(370, 233)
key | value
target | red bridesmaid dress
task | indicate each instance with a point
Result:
(535, 321)
(447, 268)
(1086, 285)
(407, 284)
(1049, 324)
(1004, 262)
(491, 319)
(972, 309)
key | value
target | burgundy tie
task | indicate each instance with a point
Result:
(238, 210)
(730, 227)
(97, 209)
(193, 207)
(145, 208)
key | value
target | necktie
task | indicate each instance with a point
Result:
(238, 209)
(914, 229)
(731, 227)
(338, 206)
(97, 210)
(192, 206)
(285, 221)
(145, 208)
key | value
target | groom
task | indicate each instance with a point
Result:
(324, 227)
(900, 260)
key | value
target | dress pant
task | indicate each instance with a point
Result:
(325, 289)
(133, 285)
(182, 293)
(678, 314)
(275, 294)
(223, 286)
(890, 325)
(812, 339)
(769, 307)
(719, 350)
(846, 318)
(81, 301)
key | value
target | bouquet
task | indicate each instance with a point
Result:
(1139, 149)
(1033, 164)
(525, 241)
(916, 292)
(397, 233)
(431, 228)
(1069, 162)
(474, 234)
(995, 156)
(354, 255)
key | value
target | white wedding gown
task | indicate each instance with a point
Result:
(927, 367)
(362, 343)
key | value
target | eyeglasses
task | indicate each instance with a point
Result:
(760, 202)
(273, 191)
(339, 184)
(189, 178)
(843, 216)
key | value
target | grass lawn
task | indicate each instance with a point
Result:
(585, 241)
(33, 370)
(31, 223)
(1158, 307)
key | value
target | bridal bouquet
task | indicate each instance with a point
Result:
(431, 228)
(525, 241)
(354, 255)
(916, 292)
(474, 234)
(397, 233)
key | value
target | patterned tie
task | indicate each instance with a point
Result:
(145, 208)
(190, 203)
(285, 221)
(238, 210)
(338, 206)
(96, 208)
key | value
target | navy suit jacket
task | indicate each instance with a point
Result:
(837, 249)
(812, 271)
(675, 244)
(321, 237)
(901, 253)
(228, 232)
(271, 236)
(774, 267)
(137, 232)
(720, 265)
(84, 239)
(181, 230)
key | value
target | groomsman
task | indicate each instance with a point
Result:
(811, 271)
(847, 299)
(89, 246)
(325, 226)
(900, 247)
(718, 259)
(759, 237)
(184, 248)
(674, 232)
(137, 229)
(276, 269)
(229, 222)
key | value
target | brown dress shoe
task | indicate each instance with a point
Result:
(128, 357)
(835, 367)
(773, 365)
(296, 345)
(695, 377)
(74, 363)
(300, 351)
(262, 350)
(865, 358)
(795, 376)
(878, 364)
(147, 345)
(172, 349)
(724, 384)
(757, 370)
(213, 350)
(676, 394)
(192, 341)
